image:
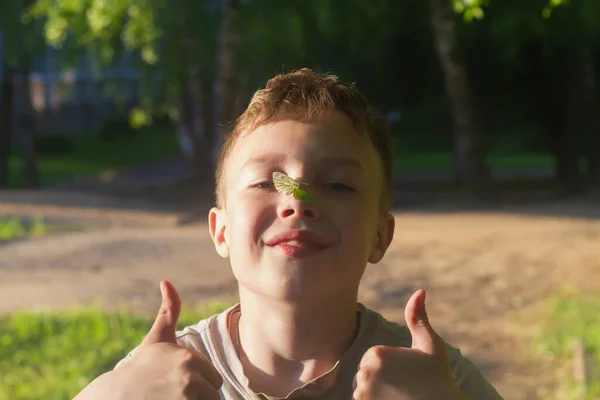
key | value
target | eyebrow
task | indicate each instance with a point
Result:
(279, 158)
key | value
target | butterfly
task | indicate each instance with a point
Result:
(288, 185)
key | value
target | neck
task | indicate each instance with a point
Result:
(284, 345)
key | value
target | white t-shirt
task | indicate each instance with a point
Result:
(211, 337)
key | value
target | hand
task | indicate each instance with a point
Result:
(160, 369)
(419, 373)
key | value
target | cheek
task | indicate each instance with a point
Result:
(251, 219)
(357, 225)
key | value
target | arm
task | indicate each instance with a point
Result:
(98, 388)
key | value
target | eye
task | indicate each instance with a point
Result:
(337, 186)
(264, 185)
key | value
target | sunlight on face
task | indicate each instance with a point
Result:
(343, 172)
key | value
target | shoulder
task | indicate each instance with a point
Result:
(195, 337)
(380, 331)
(466, 375)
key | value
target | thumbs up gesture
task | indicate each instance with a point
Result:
(160, 369)
(165, 324)
(419, 373)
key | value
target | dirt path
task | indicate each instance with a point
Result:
(478, 268)
(118, 265)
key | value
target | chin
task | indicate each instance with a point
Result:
(289, 283)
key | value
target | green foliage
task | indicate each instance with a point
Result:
(512, 54)
(387, 39)
(53, 355)
(568, 316)
(470, 9)
(166, 37)
(139, 117)
(552, 4)
(19, 42)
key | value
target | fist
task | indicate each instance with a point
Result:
(419, 373)
(160, 368)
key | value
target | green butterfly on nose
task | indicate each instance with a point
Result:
(287, 185)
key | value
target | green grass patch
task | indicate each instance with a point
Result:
(569, 316)
(54, 355)
(427, 162)
(15, 228)
(91, 154)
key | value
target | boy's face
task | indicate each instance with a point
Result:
(344, 176)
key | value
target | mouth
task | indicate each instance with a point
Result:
(299, 243)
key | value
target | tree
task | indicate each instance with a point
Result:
(199, 68)
(568, 72)
(550, 44)
(471, 170)
(176, 48)
(30, 170)
(582, 18)
(226, 85)
(20, 45)
(6, 113)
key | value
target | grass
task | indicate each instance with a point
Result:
(91, 155)
(444, 161)
(53, 355)
(15, 228)
(568, 316)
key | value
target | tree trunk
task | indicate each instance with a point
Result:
(569, 143)
(553, 93)
(226, 85)
(192, 122)
(590, 129)
(6, 114)
(470, 167)
(205, 110)
(30, 167)
(567, 168)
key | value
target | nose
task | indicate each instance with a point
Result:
(297, 209)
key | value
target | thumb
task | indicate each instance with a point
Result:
(163, 329)
(424, 338)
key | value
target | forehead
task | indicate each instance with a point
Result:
(331, 138)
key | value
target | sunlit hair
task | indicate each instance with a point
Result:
(306, 96)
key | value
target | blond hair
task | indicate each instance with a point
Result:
(305, 96)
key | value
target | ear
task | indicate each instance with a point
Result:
(217, 224)
(385, 234)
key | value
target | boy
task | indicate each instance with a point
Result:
(299, 331)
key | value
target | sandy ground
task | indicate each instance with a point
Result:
(480, 269)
